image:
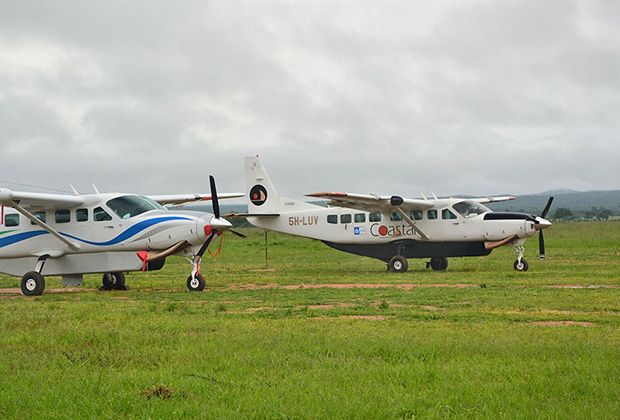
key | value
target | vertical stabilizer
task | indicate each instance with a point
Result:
(262, 195)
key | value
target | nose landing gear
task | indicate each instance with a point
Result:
(520, 264)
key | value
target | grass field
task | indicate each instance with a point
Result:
(326, 335)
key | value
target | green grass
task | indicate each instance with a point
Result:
(478, 341)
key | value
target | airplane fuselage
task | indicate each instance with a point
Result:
(102, 224)
(442, 223)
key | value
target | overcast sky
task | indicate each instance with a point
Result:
(390, 97)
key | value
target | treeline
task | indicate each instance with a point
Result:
(600, 214)
(567, 205)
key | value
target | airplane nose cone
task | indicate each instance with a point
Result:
(220, 224)
(541, 223)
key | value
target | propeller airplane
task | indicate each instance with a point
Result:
(69, 236)
(392, 228)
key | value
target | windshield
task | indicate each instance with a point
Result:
(132, 205)
(470, 208)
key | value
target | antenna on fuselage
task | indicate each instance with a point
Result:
(74, 190)
(96, 189)
(434, 196)
(423, 196)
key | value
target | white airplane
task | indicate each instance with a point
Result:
(393, 229)
(69, 236)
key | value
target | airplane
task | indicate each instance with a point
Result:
(112, 233)
(392, 228)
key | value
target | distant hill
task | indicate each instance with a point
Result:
(579, 202)
(582, 203)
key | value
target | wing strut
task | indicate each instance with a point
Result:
(411, 223)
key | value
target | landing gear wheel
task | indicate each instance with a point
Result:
(439, 263)
(196, 284)
(114, 281)
(522, 265)
(398, 264)
(33, 283)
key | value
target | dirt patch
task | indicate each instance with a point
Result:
(581, 286)
(18, 291)
(11, 291)
(328, 306)
(369, 317)
(405, 286)
(562, 323)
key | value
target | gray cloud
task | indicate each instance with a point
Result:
(475, 97)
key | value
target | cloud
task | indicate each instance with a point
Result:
(475, 97)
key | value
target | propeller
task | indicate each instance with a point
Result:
(540, 227)
(214, 200)
(212, 229)
(239, 234)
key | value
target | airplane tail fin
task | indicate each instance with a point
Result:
(262, 195)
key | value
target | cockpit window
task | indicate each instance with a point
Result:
(470, 208)
(132, 205)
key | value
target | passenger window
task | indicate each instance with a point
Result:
(63, 216)
(39, 215)
(332, 218)
(374, 217)
(416, 215)
(447, 215)
(100, 215)
(11, 220)
(395, 217)
(81, 215)
(432, 214)
(359, 218)
(345, 218)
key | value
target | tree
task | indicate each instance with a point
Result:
(603, 214)
(563, 214)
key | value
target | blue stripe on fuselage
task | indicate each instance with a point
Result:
(123, 236)
(18, 237)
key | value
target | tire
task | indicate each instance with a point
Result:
(33, 284)
(113, 281)
(196, 284)
(523, 266)
(398, 264)
(439, 263)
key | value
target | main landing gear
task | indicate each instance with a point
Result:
(398, 264)
(438, 263)
(113, 281)
(33, 282)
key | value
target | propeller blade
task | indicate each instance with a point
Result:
(547, 207)
(239, 234)
(214, 200)
(204, 246)
(541, 245)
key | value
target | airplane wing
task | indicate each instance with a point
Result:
(26, 202)
(377, 204)
(189, 198)
(485, 200)
(29, 200)
(372, 203)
